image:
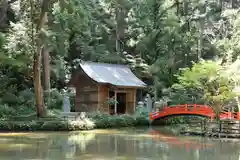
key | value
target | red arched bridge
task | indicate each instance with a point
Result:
(192, 109)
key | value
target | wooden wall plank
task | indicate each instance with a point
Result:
(86, 91)
(103, 98)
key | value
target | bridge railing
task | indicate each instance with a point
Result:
(195, 109)
(185, 107)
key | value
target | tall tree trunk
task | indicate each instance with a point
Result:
(155, 88)
(201, 30)
(46, 69)
(41, 110)
(217, 108)
(238, 103)
(46, 73)
(155, 8)
(3, 12)
(185, 13)
(220, 3)
(185, 7)
(237, 100)
(200, 40)
(121, 13)
(37, 82)
(234, 4)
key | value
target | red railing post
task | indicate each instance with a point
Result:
(212, 118)
(230, 115)
(185, 107)
(150, 116)
(238, 115)
(194, 107)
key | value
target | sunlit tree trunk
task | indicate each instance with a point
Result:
(185, 7)
(46, 73)
(220, 4)
(121, 14)
(41, 110)
(234, 4)
(3, 11)
(200, 40)
(201, 21)
(217, 108)
(117, 42)
(46, 68)
(238, 103)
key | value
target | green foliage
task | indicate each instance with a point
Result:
(142, 116)
(175, 120)
(111, 101)
(6, 111)
(56, 100)
(182, 120)
(141, 121)
(72, 101)
(142, 111)
(108, 121)
(43, 125)
(208, 78)
(179, 94)
(54, 123)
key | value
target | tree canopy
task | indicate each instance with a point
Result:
(41, 43)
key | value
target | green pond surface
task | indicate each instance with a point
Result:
(122, 144)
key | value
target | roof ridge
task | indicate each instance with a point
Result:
(102, 63)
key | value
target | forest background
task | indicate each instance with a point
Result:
(187, 51)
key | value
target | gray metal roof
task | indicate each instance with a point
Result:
(118, 75)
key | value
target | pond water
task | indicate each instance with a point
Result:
(124, 144)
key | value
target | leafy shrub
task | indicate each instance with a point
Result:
(22, 98)
(27, 98)
(15, 121)
(108, 121)
(175, 120)
(72, 97)
(180, 94)
(56, 99)
(10, 98)
(55, 126)
(142, 116)
(178, 120)
(6, 111)
(41, 125)
(142, 112)
(141, 121)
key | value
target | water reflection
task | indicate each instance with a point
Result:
(129, 144)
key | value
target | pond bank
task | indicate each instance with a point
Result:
(195, 132)
(58, 124)
(220, 129)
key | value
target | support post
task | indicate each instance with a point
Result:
(115, 104)
(134, 101)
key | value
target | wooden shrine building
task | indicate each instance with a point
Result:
(109, 88)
